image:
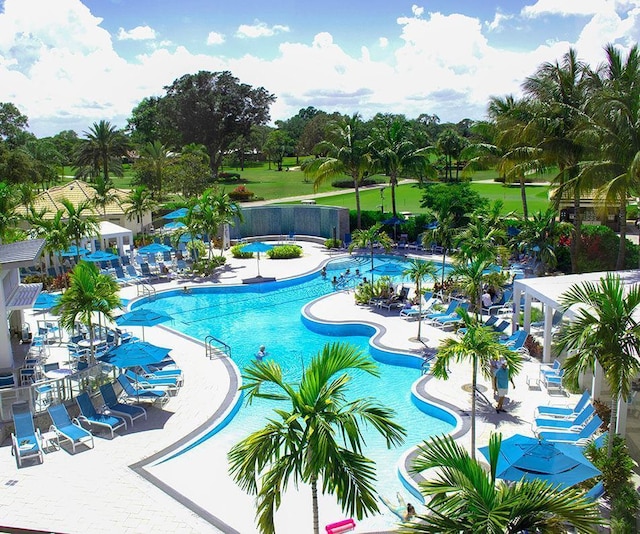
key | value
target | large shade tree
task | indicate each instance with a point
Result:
(317, 439)
(464, 497)
(101, 151)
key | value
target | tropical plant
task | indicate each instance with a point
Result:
(104, 194)
(54, 231)
(8, 215)
(317, 440)
(539, 236)
(370, 238)
(470, 276)
(89, 292)
(101, 151)
(228, 212)
(450, 144)
(604, 331)
(154, 160)
(138, 203)
(419, 271)
(81, 221)
(466, 498)
(479, 239)
(345, 152)
(443, 232)
(479, 345)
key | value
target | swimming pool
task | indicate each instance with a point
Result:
(248, 316)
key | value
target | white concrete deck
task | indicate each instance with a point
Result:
(98, 491)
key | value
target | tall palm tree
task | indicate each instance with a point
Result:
(540, 235)
(138, 203)
(89, 291)
(469, 276)
(81, 222)
(54, 231)
(369, 239)
(444, 233)
(479, 345)
(560, 90)
(345, 153)
(480, 238)
(228, 211)
(604, 331)
(614, 127)
(419, 271)
(465, 497)
(101, 150)
(105, 194)
(395, 153)
(157, 158)
(318, 438)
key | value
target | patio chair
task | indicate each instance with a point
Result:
(396, 300)
(131, 272)
(67, 428)
(25, 440)
(450, 309)
(112, 406)
(447, 320)
(564, 411)
(574, 425)
(149, 371)
(171, 383)
(89, 415)
(503, 302)
(146, 272)
(578, 438)
(596, 492)
(427, 299)
(145, 394)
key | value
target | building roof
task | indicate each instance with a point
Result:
(21, 253)
(75, 191)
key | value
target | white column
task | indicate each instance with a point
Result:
(515, 317)
(548, 323)
(6, 354)
(527, 312)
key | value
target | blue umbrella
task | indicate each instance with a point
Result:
(134, 354)
(46, 301)
(528, 458)
(177, 214)
(395, 220)
(73, 251)
(142, 317)
(186, 237)
(174, 225)
(155, 248)
(100, 255)
(257, 247)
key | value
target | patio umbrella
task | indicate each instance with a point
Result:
(46, 301)
(100, 255)
(177, 214)
(134, 354)
(257, 247)
(154, 248)
(142, 317)
(186, 237)
(525, 457)
(174, 225)
(394, 221)
(73, 251)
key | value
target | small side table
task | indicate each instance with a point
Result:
(50, 441)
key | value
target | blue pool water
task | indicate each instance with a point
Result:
(248, 316)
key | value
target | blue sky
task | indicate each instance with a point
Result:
(69, 63)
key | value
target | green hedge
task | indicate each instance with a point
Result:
(237, 252)
(285, 252)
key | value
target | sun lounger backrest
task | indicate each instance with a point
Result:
(584, 415)
(586, 397)
(22, 419)
(108, 394)
(59, 415)
(86, 406)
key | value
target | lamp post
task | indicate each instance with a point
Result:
(382, 200)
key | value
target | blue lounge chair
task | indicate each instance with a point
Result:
(564, 411)
(91, 416)
(137, 394)
(553, 369)
(596, 492)
(66, 428)
(112, 406)
(153, 373)
(587, 432)
(25, 440)
(171, 383)
(450, 309)
(452, 318)
(572, 425)
(428, 301)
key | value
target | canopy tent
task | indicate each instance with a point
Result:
(111, 232)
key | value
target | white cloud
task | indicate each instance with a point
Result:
(496, 24)
(139, 33)
(417, 10)
(259, 29)
(215, 38)
(383, 42)
(567, 7)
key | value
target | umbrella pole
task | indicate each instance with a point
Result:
(258, 264)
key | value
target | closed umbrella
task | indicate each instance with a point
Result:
(528, 458)
(394, 221)
(100, 255)
(142, 317)
(134, 354)
(257, 247)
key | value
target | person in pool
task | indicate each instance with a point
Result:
(262, 352)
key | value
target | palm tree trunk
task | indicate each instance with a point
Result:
(474, 380)
(613, 424)
(622, 216)
(577, 233)
(523, 196)
(419, 288)
(371, 245)
(314, 500)
(444, 259)
(357, 193)
(393, 182)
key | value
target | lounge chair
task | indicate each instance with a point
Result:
(397, 300)
(91, 416)
(428, 301)
(66, 428)
(450, 309)
(171, 383)
(573, 425)
(596, 492)
(112, 406)
(149, 371)
(146, 272)
(452, 318)
(578, 438)
(564, 411)
(504, 302)
(25, 440)
(132, 274)
(138, 394)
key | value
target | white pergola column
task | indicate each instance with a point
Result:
(527, 312)
(6, 353)
(546, 342)
(515, 317)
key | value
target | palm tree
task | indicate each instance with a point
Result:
(346, 152)
(228, 211)
(156, 157)
(317, 439)
(369, 238)
(89, 291)
(540, 235)
(393, 151)
(105, 194)
(469, 276)
(465, 497)
(479, 345)
(54, 231)
(139, 202)
(80, 224)
(479, 239)
(443, 232)
(101, 151)
(418, 271)
(604, 331)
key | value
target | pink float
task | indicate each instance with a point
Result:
(345, 525)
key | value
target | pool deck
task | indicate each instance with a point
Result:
(108, 489)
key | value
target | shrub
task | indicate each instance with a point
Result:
(229, 176)
(60, 282)
(237, 252)
(241, 193)
(285, 252)
(206, 267)
(332, 243)
(342, 184)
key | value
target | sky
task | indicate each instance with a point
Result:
(69, 63)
